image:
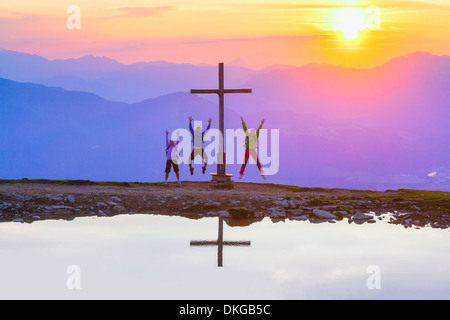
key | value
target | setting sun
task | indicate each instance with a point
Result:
(350, 21)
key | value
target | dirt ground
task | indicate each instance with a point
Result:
(28, 202)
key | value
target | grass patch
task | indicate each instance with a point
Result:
(437, 202)
(320, 189)
(46, 181)
(81, 182)
(319, 201)
(301, 189)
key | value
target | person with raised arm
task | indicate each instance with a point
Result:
(172, 156)
(197, 143)
(251, 144)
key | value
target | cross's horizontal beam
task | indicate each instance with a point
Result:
(225, 243)
(237, 91)
(215, 91)
(205, 91)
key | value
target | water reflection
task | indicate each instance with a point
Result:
(220, 243)
(149, 257)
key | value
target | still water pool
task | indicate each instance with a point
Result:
(162, 257)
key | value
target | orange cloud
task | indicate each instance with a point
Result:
(144, 12)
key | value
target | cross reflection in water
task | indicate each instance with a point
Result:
(220, 243)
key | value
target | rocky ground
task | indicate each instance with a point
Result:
(28, 201)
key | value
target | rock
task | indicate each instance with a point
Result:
(435, 225)
(322, 214)
(277, 212)
(5, 205)
(224, 214)
(278, 215)
(70, 199)
(300, 218)
(240, 213)
(18, 220)
(116, 199)
(215, 204)
(297, 212)
(361, 216)
(119, 208)
(283, 203)
(192, 206)
(258, 214)
(61, 207)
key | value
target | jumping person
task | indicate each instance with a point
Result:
(250, 147)
(197, 142)
(172, 157)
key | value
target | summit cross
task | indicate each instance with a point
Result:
(221, 177)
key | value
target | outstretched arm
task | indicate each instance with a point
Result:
(244, 127)
(260, 126)
(208, 127)
(190, 126)
(243, 124)
(167, 138)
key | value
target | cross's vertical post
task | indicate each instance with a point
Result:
(221, 157)
(220, 244)
(221, 179)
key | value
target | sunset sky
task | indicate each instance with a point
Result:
(207, 31)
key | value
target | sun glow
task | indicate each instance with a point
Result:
(350, 21)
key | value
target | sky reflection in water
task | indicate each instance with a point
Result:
(150, 257)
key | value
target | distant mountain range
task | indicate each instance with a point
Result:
(112, 80)
(386, 127)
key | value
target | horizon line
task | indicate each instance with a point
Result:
(257, 67)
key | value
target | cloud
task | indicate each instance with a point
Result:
(407, 4)
(144, 12)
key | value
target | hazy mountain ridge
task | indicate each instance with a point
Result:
(112, 80)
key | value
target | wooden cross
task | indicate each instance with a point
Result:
(220, 243)
(221, 175)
